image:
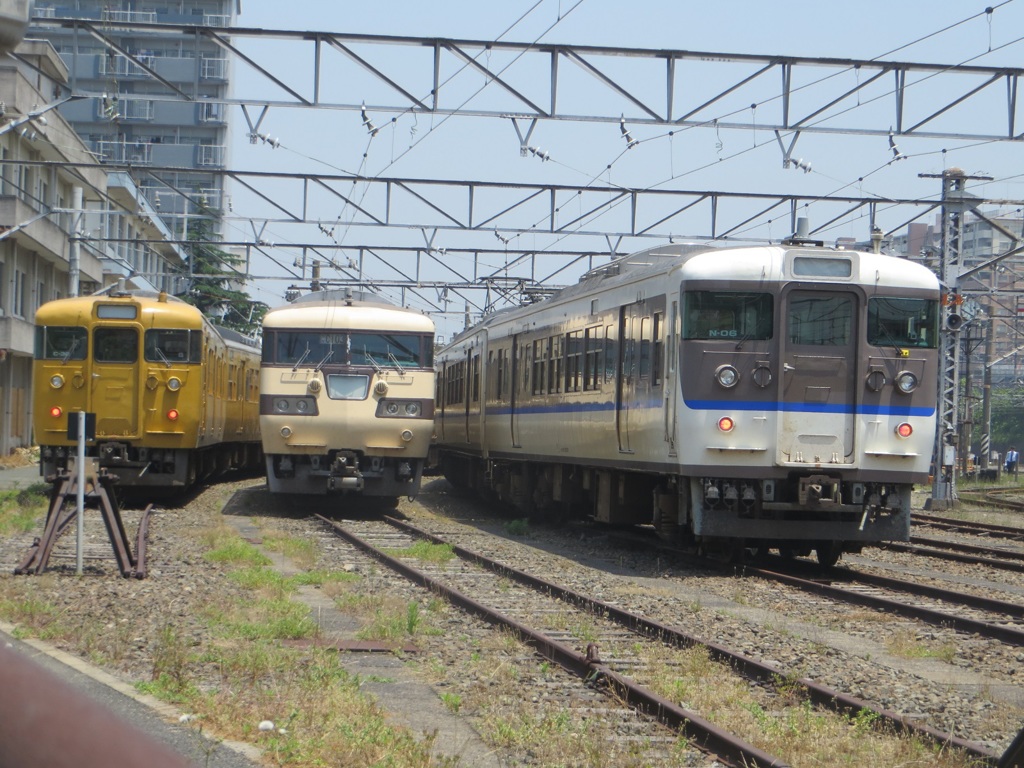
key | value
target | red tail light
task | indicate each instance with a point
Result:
(173, 414)
(56, 411)
(904, 430)
(726, 424)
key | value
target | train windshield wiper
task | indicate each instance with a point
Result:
(376, 366)
(301, 360)
(328, 356)
(888, 337)
(71, 349)
(163, 357)
(398, 365)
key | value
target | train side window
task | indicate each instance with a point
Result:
(476, 378)
(574, 361)
(115, 345)
(58, 342)
(611, 352)
(645, 347)
(540, 354)
(593, 361)
(555, 365)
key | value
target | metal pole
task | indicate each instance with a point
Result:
(80, 494)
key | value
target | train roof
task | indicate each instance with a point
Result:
(149, 302)
(155, 308)
(346, 309)
(704, 262)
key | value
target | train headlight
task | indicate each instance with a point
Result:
(173, 414)
(876, 380)
(56, 381)
(174, 383)
(726, 424)
(301, 406)
(56, 411)
(762, 376)
(407, 435)
(282, 405)
(727, 376)
(404, 409)
(286, 432)
(906, 382)
(904, 430)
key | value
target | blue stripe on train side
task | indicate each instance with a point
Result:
(715, 405)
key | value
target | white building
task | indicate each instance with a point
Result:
(51, 188)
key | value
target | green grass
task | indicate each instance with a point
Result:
(425, 551)
(22, 510)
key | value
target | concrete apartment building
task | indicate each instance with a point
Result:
(133, 126)
(43, 205)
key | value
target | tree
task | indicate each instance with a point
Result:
(211, 270)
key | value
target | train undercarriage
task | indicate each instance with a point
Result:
(173, 468)
(345, 472)
(794, 514)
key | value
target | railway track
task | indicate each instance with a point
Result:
(963, 611)
(615, 663)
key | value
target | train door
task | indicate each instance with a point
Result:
(628, 380)
(513, 391)
(819, 358)
(115, 372)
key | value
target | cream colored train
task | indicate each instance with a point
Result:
(346, 402)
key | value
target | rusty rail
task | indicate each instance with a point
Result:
(703, 733)
(818, 694)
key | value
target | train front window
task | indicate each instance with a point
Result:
(61, 342)
(388, 350)
(115, 345)
(318, 348)
(172, 346)
(735, 315)
(899, 322)
(820, 319)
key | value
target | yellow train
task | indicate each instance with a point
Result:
(176, 398)
(346, 396)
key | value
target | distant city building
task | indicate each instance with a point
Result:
(983, 241)
(130, 125)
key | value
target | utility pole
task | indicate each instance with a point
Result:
(955, 201)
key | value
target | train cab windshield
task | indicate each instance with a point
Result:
(115, 345)
(358, 348)
(898, 322)
(737, 315)
(61, 342)
(173, 346)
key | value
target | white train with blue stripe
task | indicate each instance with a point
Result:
(757, 397)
